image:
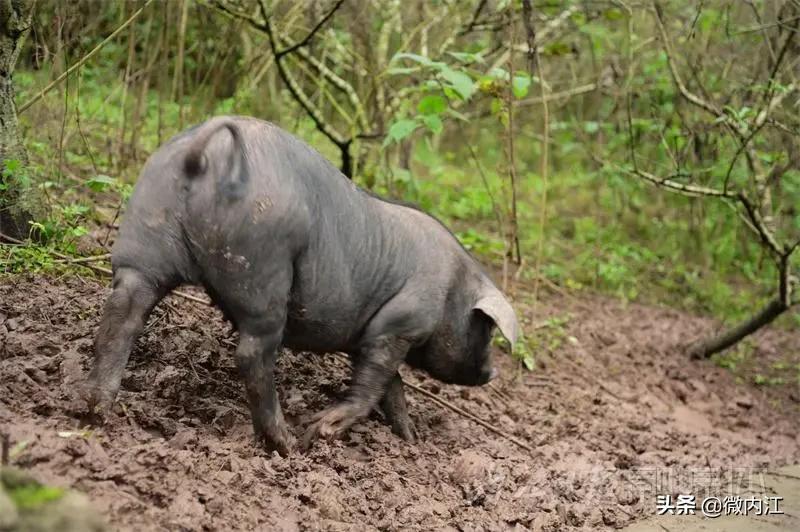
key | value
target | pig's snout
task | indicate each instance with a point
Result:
(487, 374)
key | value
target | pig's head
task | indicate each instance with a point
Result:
(459, 351)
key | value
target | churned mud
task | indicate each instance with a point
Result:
(612, 396)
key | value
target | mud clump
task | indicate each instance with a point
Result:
(619, 399)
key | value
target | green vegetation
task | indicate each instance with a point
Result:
(444, 106)
(26, 504)
(32, 496)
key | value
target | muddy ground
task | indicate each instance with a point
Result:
(614, 398)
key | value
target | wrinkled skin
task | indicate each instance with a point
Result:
(295, 254)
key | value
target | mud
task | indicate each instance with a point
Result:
(612, 395)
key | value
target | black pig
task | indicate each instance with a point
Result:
(295, 254)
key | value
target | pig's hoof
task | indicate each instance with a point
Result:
(331, 423)
(406, 431)
(98, 402)
(281, 440)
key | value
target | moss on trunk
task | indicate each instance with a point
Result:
(15, 23)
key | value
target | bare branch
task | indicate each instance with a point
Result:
(324, 90)
(530, 34)
(475, 15)
(83, 60)
(225, 9)
(541, 36)
(311, 33)
(755, 128)
(766, 315)
(773, 103)
(759, 224)
(86, 262)
(673, 69)
(294, 88)
(334, 80)
(763, 26)
(781, 55)
(670, 184)
(563, 95)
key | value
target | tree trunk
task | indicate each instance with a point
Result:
(706, 348)
(15, 23)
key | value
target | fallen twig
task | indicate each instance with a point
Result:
(783, 475)
(190, 297)
(479, 421)
(443, 402)
(85, 262)
(77, 260)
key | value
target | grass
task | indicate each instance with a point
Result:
(26, 493)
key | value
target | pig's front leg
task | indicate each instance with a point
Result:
(395, 409)
(373, 372)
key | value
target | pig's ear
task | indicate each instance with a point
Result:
(497, 307)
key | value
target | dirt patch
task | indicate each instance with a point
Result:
(615, 396)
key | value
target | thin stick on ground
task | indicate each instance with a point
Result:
(464, 413)
(77, 260)
(443, 402)
(82, 261)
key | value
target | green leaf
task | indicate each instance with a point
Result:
(401, 175)
(79, 231)
(421, 59)
(402, 70)
(591, 127)
(520, 85)
(433, 104)
(101, 182)
(466, 57)
(498, 73)
(557, 48)
(459, 81)
(529, 362)
(12, 166)
(434, 123)
(33, 495)
(400, 130)
(459, 116)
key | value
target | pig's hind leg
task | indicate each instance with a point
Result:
(124, 316)
(258, 306)
(255, 357)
